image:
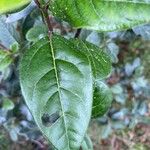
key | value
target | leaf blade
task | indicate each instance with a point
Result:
(102, 99)
(100, 61)
(51, 77)
(5, 59)
(105, 15)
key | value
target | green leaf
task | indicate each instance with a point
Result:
(5, 59)
(35, 33)
(10, 5)
(102, 99)
(102, 15)
(7, 104)
(87, 143)
(14, 47)
(100, 61)
(56, 81)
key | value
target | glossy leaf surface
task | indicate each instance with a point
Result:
(102, 99)
(100, 61)
(102, 15)
(56, 82)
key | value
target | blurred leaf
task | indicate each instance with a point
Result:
(87, 143)
(84, 34)
(8, 33)
(5, 59)
(14, 47)
(22, 14)
(7, 104)
(25, 111)
(94, 38)
(117, 89)
(121, 98)
(13, 134)
(7, 6)
(113, 51)
(106, 131)
(140, 146)
(143, 31)
(4, 74)
(130, 68)
(120, 115)
(139, 83)
(139, 107)
(118, 125)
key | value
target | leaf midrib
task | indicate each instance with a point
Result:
(58, 87)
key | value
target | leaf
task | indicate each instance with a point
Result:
(7, 104)
(8, 34)
(87, 143)
(94, 38)
(21, 14)
(112, 50)
(102, 15)
(13, 135)
(106, 131)
(56, 82)
(100, 61)
(7, 6)
(5, 59)
(14, 47)
(143, 31)
(102, 99)
(35, 33)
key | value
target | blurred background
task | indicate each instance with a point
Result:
(126, 125)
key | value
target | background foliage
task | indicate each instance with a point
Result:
(127, 123)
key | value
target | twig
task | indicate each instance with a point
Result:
(48, 22)
(77, 33)
(44, 11)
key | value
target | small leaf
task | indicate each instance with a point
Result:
(13, 135)
(106, 131)
(5, 59)
(56, 82)
(117, 89)
(14, 47)
(7, 6)
(102, 15)
(7, 104)
(102, 99)
(36, 33)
